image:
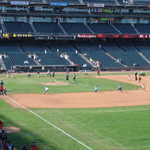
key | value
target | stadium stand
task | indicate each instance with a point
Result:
(44, 55)
(125, 28)
(143, 28)
(74, 28)
(102, 28)
(144, 48)
(12, 56)
(72, 53)
(117, 52)
(18, 27)
(133, 59)
(95, 52)
(47, 28)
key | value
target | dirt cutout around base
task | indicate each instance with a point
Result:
(55, 83)
(11, 129)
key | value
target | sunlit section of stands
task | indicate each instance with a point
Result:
(96, 53)
(44, 55)
(12, 56)
(133, 59)
(72, 53)
(116, 52)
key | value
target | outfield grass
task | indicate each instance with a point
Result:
(84, 83)
(122, 128)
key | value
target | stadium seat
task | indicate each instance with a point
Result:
(143, 28)
(47, 28)
(74, 28)
(102, 28)
(95, 52)
(125, 28)
(18, 27)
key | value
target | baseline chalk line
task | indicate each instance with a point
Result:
(49, 123)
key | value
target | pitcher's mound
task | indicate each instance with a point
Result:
(11, 129)
(56, 83)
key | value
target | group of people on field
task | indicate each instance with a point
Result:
(67, 77)
(6, 144)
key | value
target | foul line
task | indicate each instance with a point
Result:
(49, 123)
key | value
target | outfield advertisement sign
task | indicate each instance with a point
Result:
(95, 5)
(20, 3)
(144, 36)
(112, 36)
(58, 4)
(89, 36)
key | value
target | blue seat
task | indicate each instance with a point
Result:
(18, 27)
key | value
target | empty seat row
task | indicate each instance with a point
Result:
(122, 52)
(75, 28)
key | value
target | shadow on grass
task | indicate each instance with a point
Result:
(25, 137)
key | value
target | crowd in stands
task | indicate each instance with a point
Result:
(5, 143)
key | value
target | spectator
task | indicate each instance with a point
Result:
(24, 148)
(14, 148)
(3, 137)
(1, 145)
(34, 147)
(1, 125)
(9, 146)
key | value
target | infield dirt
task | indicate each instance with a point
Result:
(90, 99)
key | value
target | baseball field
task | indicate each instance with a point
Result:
(71, 116)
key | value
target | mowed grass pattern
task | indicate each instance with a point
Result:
(83, 83)
(122, 128)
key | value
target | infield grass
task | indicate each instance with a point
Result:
(122, 128)
(84, 83)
